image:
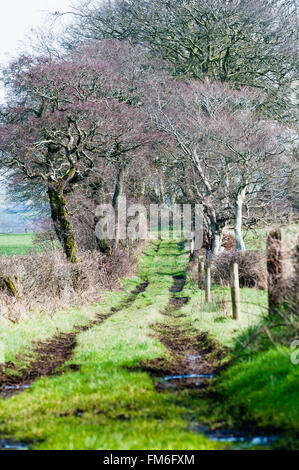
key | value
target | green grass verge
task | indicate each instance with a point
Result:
(264, 388)
(216, 317)
(263, 384)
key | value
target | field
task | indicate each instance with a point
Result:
(255, 239)
(21, 244)
(16, 244)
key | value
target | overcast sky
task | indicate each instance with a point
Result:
(17, 18)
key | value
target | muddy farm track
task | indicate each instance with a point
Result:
(194, 359)
(141, 373)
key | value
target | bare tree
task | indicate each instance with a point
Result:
(66, 115)
(251, 43)
(232, 152)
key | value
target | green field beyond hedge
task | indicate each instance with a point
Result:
(16, 244)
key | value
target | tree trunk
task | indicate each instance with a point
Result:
(61, 223)
(240, 245)
(201, 272)
(106, 246)
(216, 243)
(208, 282)
(118, 191)
(119, 185)
(217, 234)
(161, 190)
(9, 285)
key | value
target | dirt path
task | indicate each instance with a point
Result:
(194, 358)
(52, 354)
(193, 361)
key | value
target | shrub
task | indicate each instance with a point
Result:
(46, 281)
(252, 268)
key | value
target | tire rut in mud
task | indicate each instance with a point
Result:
(52, 354)
(194, 359)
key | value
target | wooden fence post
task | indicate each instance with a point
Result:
(235, 290)
(208, 282)
(274, 268)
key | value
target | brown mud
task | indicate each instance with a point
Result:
(52, 354)
(194, 359)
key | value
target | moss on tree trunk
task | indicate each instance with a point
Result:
(8, 285)
(62, 224)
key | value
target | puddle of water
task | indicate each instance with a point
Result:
(263, 440)
(193, 357)
(17, 387)
(238, 437)
(252, 441)
(9, 444)
(188, 376)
